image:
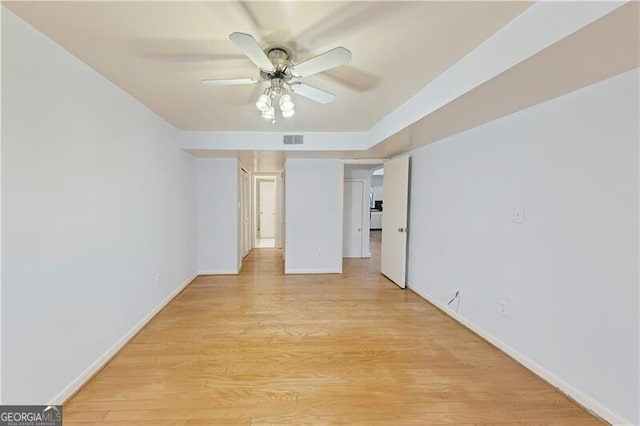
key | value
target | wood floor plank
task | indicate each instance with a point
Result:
(264, 348)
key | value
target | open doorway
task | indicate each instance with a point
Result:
(382, 230)
(361, 220)
(265, 213)
(376, 211)
(267, 210)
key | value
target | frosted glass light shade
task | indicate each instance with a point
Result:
(269, 114)
(289, 113)
(286, 103)
(263, 103)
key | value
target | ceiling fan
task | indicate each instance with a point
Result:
(277, 68)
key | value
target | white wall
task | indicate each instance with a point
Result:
(98, 201)
(570, 271)
(218, 221)
(313, 209)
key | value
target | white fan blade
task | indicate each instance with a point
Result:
(330, 59)
(252, 49)
(229, 81)
(312, 93)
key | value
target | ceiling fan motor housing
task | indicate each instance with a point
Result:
(280, 57)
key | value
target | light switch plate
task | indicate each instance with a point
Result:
(518, 215)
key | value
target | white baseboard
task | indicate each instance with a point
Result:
(579, 397)
(99, 363)
(220, 272)
(311, 271)
(366, 256)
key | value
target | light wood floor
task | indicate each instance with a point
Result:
(264, 348)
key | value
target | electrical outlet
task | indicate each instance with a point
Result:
(157, 280)
(503, 308)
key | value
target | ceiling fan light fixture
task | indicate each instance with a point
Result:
(269, 114)
(278, 70)
(288, 113)
(286, 103)
(264, 103)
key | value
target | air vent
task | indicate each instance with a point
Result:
(292, 140)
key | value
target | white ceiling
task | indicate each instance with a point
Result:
(607, 47)
(159, 51)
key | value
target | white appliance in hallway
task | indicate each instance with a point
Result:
(376, 220)
(353, 206)
(394, 221)
(267, 208)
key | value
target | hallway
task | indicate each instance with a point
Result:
(263, 348)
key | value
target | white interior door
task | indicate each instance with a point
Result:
(394, 220)
(246, 214)
(352, 235)
(267, 203)
(283, 191)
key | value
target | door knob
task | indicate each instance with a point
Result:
(401, 229)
